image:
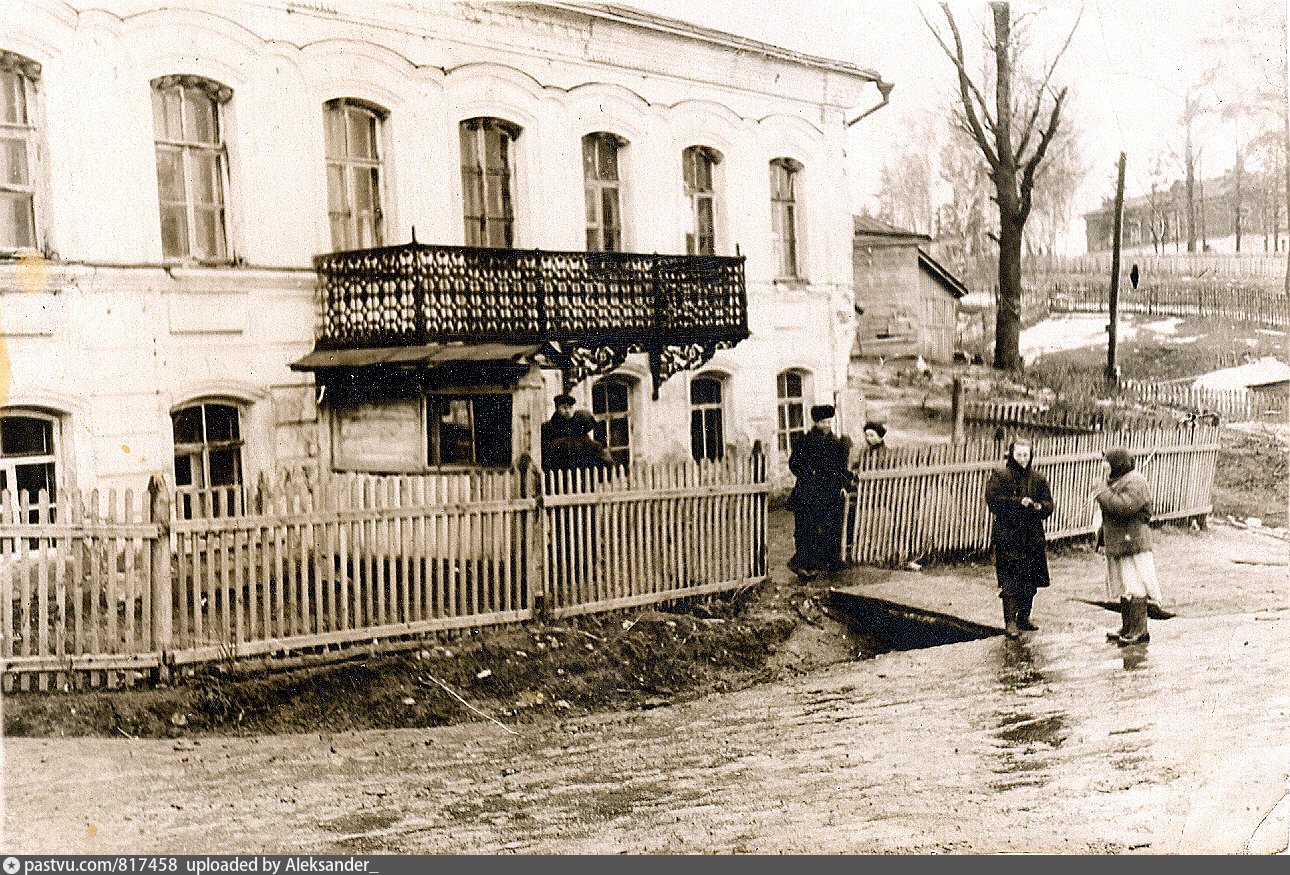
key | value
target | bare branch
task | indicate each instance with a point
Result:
(967, 89)
(1043, 86)
(1045, 140)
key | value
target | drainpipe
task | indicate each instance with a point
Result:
(884, 88)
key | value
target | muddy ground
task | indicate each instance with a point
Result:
(1058, 743)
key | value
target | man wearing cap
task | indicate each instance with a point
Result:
(578, 449)
(558, 427)
(819, 462)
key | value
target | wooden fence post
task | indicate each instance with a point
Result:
(956, 405)
(535, 534)
(159, 515)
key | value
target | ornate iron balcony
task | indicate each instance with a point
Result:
(589, 309)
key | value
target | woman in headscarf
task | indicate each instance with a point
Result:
(1130, 567)
(1020, 500)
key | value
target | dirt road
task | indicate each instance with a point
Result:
(1061, 743)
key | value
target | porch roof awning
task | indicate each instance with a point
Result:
(427, 354)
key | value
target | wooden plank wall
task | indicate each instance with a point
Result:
(932, 503)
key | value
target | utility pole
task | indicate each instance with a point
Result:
(1112, 369)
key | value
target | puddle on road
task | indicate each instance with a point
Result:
(889, 626)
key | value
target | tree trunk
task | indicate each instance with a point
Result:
(1286, 122)
(1191, 195)
(1240, 197)
(1007, 318)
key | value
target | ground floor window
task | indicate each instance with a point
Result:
(28, 458)
(791, 393)
(707, 421)
(611, 404)
(208, 455)
(469, 430)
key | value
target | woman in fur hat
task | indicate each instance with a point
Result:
(1131, 569)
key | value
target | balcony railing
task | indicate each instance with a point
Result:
(419, 294)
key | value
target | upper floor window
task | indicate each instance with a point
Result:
(784, 176)
(700, 164)
(611, 405)
(353, 174)
(17, 152)
(192, 166)
(487, 181)
(707, 418)
(791, 402)
(601, 182)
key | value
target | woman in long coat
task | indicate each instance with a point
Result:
(1130, 567)
(1020, 500)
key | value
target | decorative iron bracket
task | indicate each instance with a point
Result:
(579, 360)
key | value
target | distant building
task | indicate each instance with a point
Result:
(907, 300)
(1157, 222)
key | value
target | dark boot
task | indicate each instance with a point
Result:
(1124, 622)
(1010, 627)
(1024, 604)
(1136, 624)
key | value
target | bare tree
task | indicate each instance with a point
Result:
(905, 192)
(1014, 144)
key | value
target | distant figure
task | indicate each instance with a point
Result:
(1020, 500)
(1130, 566)
(578, 449)
(558, 427)
(819, 462)
(875, 440)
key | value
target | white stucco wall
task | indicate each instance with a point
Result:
(112, 339)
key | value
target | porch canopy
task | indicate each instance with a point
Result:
(584, 312)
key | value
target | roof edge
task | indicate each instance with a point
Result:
(640, 18)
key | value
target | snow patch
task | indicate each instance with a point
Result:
(1265, 370)
(1069, 332)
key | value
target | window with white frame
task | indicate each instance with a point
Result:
(611, 405)
(791, 387)
(700, 164)
(784, 183)
(28, 459)
(354, 174)
(18, 151)
(707, 418)
(602, 189)
(208, 447)
(192, 166)
(488, 180)
(468, 429)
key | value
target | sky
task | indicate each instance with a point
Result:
(1128, 67)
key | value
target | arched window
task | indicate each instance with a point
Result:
(791, 387)
(354, 174)
(487, 181)
(784, 175)
(700, 164)
(707, 418)
(208, 458)
(28, 457)
(18, 151)
(611, 405)
(603, 197)
(192, 166)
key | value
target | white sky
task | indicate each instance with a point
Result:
(1127, 68)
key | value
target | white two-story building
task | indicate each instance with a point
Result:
(206, 225)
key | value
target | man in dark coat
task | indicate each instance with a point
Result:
(578, 449)
(1020, 500)
(819, 462)
(558, 427)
